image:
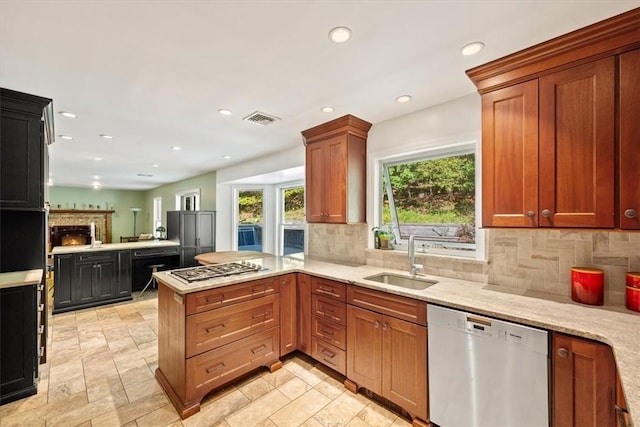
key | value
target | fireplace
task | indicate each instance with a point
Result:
(70, 235)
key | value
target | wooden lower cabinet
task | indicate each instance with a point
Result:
(304, 313)
(288, 314)
(584, 383)
(388, 356)
(201, 349)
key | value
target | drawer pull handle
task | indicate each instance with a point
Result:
(211, 300)
(331, 362)
(215, 328)
(257, 291)
(258, 349)
(40, 307)
(324, 331)
(328, 353)
(265, 314)
(215, 368)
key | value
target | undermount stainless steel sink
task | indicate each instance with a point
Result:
(407, 282)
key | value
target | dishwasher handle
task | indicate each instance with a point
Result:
(479, 320)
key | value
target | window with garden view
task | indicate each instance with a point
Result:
(250, 220)
(433, 198)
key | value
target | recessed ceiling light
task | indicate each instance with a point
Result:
(226, 157)
(96, 185)
(403, 98)
(472, 48)
(68, 114)
(65, 137)
(340, 34)
(105, 136)
(327, 109)
(224, 112)
(155, 165)
(95, 177)
(176, 148)
(97, 159)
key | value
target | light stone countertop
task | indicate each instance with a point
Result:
(113, 246)
(14, 279)
(613, 325)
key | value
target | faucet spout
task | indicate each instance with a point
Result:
(411, 252)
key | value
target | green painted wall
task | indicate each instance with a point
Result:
(206, 183)
(118, 200)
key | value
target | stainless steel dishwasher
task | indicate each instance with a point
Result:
(485, 372)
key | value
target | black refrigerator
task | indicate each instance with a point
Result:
(196, 232)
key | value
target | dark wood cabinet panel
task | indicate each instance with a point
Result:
(510, 156)
(336, 171)
(123, 284)
(629, 147)
(18, 343)
(195, 230)
(577, 140)
(584, 383)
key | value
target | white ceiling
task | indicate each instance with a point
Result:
(154, 73)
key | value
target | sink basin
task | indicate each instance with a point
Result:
(407, 282)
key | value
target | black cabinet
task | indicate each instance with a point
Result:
(22, 150)
(18, 355)
(23, 164)
(89, 279)
(196, 232)
(143, 260)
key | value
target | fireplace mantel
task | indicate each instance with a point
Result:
(102, 219)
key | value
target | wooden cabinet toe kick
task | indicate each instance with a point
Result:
(213, 369)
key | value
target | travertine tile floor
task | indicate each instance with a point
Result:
(100, 372)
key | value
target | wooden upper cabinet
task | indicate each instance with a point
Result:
(510, 156)
(577, 146)
(557, 149)
(629, 131)
(336, 171)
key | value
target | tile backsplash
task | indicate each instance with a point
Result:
(338, 242)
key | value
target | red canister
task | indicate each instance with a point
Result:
(633, 298)
(633, 279)
(587, 285)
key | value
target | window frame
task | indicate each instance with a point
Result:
(468, 146)
(280, 224)
(237, 189)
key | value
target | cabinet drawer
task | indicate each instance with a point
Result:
(214, 328)
(393, 305)
(329, 332)
(330, 309)
(217, 367)
(328, 288)
(329, 355)
(97, 256)
(198, 302)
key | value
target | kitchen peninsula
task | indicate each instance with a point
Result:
(88, 276)
(193, 359)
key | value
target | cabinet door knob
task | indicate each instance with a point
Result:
(563, 352)
(531, 214)
(630, 213)
(546, 213)
(376, 324)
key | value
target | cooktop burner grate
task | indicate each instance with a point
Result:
(206, 272)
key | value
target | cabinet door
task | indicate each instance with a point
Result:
(123, 270)
(85, 289)
(304, 313)
(189, 229)
(315, 183)
(335, 193)
(510, 156)
(584, 379)
(106, 279)
(17, 342)
(21, 158)
(577, 146)
(288, 314)
(629, 111)
(404, 365)
(206, 239)
(364, 348)
(63, 279)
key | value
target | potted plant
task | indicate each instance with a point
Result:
(383, 237)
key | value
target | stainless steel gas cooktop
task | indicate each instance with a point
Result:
(206, 272)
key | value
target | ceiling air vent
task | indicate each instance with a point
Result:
(145, 175)
(261, 118)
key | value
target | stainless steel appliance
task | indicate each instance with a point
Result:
(206, 272)
(485, 372)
